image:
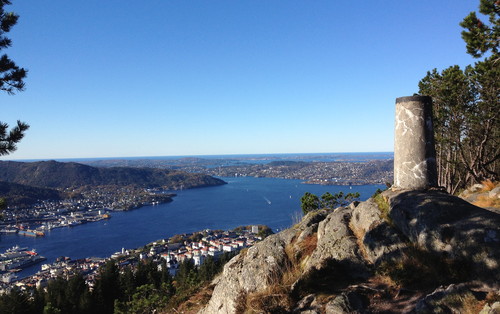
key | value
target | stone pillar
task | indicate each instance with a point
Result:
(414, 151)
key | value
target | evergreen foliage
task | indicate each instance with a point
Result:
(141, 289)
(53, 174)
(479, 36)
(25, 195)
(310, 202)
(466, 102)
(11, 80)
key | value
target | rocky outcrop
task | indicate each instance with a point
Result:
(336, 262)
(379, 240)
(258, 268)
(336, 242)
(248, 272)
(450, 227)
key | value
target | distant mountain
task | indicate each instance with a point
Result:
(53, 174)
(24, 195)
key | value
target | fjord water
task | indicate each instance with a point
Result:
(243, 201)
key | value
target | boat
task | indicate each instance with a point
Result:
(39, 233)
(8, 230)
(16, 248)
(73, 223)
(20, 263)
(47, 226)
(17, 258)
(30, 233)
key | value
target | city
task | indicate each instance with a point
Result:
(92, 204)
(169, 253)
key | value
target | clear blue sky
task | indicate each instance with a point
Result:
(155, 78)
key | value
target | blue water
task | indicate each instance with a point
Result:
(243, 201)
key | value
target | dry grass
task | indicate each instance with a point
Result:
(384, 281)
(491, 298)
(486, 201)
(277, 296)
(359, 234)
(488, 185)
(308, 245)
(464, 303)
(291, 270)
(243, 252)
(274, 299)
(194, 303)
(419, 269)
(383, 206)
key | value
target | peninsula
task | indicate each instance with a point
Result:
(50, 194)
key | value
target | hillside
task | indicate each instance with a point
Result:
(24, 195)
(52, 174)
(398, 252)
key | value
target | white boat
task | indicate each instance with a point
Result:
(16, 248)
(8, 230)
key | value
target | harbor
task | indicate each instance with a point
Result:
(38, 224)
(15, 259)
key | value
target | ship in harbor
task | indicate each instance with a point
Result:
(8, 230)
(31, 233)
(17, 258)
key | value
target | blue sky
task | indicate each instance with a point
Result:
(120, 78)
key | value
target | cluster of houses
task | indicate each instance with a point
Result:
(212, 244)
(170, 252)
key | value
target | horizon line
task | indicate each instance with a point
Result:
(189, 156)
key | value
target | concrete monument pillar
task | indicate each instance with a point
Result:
(414, 151)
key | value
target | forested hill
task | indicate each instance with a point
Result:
(53, 174)
(20, 194)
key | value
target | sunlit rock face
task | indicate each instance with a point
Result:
(414, 151)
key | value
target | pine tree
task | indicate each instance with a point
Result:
(11, 80)
(479, 36)
(466, 102)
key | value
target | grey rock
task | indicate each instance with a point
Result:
(475, 188)
(309, 224)
(354, 204)
(491, 309)
(365, 215)
(495, 192)
(380, 240)
(307, 305)
(247, 273)
(350, 239)
(383, 243)
(451, 227)
(445, 299)
(311, 218)
(337, 242)
(258, 268)
(348, 303)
